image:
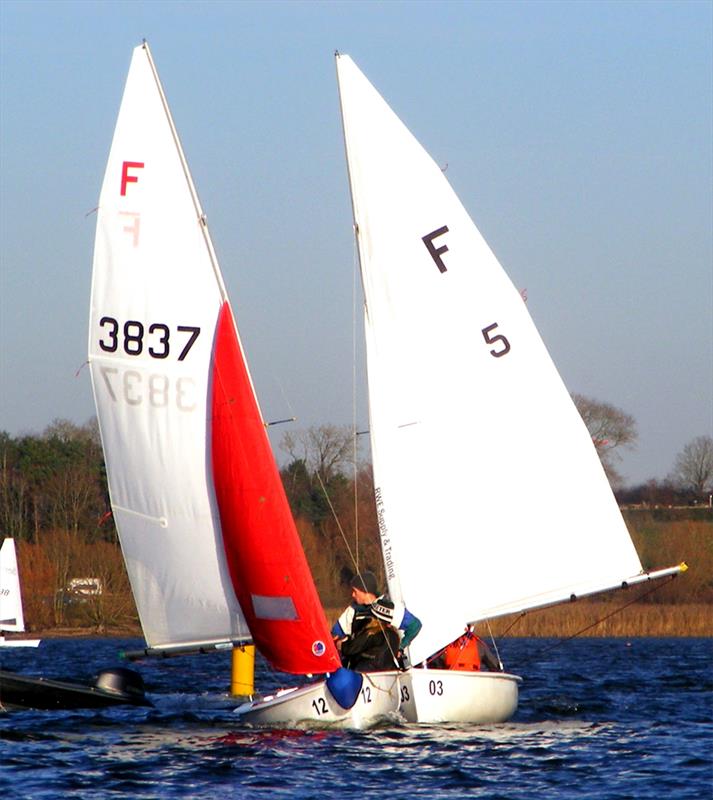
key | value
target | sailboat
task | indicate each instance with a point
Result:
(11, 616)
(480, 514)
(211, 549)
(212, 553)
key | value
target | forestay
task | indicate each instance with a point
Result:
(156, 296)
(490, 495)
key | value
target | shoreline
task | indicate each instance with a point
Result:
(583, 618)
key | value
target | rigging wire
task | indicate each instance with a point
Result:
(336, 519)
(618, 610)
(495, 646)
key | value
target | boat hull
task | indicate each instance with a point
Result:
(416, 695)
(113, 687)
(460, 696)
(19, 642)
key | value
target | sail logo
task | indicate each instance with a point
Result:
(383, 534)
(319, 648)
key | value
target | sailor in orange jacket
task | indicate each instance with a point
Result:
(470, 653)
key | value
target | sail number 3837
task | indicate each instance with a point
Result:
(133, 337)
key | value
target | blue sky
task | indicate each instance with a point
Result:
(578, 135)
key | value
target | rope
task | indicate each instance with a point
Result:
(336, 519)
(513, 623)
(546, 649)
(495, 647)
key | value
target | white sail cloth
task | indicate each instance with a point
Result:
(156, 294)
(490, 494)
(11, 616)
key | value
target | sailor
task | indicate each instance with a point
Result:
(469, 653)
(376, 645)
(365, 591)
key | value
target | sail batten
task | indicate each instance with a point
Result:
(497, 493)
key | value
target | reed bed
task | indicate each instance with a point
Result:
(590, 618)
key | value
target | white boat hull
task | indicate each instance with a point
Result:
(19, 642)
(457, 696)
(417, 695)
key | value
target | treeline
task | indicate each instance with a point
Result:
(54, 482)
(54, 502)
(661, 494)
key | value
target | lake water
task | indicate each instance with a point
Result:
(598, 718)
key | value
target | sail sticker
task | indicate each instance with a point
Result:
(125, 177)
(319, 648)
(436, 252)
(281, 608)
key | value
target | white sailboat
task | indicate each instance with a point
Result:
(211, 548)
(479, 514)
(194, 487)
(12, 619)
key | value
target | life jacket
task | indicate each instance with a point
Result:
(463, 654)
(373, 648)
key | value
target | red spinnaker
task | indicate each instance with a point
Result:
(268, 567)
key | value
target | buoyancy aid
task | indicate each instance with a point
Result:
(374, 647)
(463, 654)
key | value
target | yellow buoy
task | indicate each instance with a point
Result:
(242, 682)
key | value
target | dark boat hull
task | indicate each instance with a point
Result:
(114, 687)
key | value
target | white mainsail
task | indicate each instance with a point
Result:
(156, 295)
(490, 494)
(11, 616)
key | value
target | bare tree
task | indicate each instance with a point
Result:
(610, 428)
(325, 449)
(694, 466)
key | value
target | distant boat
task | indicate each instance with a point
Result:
(12, 619)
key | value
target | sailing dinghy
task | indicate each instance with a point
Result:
(12, 618)
(211, 549)
(479, 515)
(212, 552)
